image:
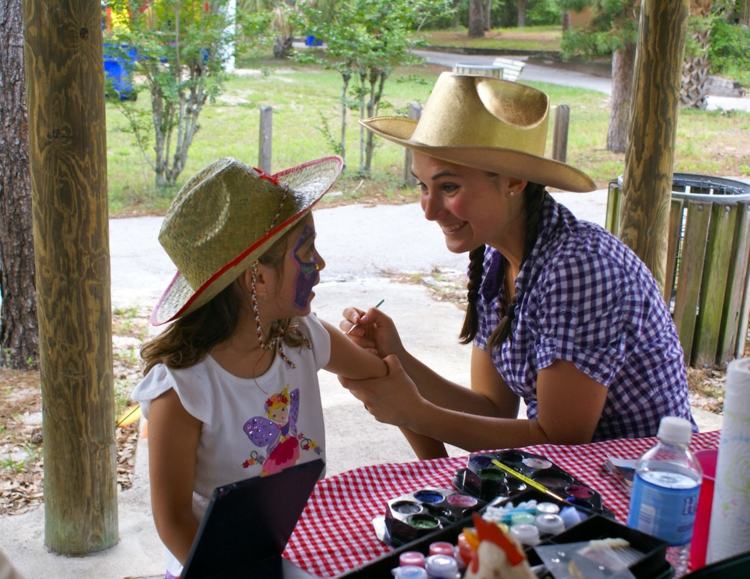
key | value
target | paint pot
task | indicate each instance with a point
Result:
(549, 524)
(411, 558)
(522, 519)
(547, 509)
(409, 572)
(441, 548)
(441, 567)
(552, 480)
(407, 507)
(580, 495)
(461, 501)
(511, 457)
(533, 463)
(478, 462)
(423, 521)
(429, 497)
(515, 485)
(525, 534)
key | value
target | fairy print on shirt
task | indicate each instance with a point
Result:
(276, 434)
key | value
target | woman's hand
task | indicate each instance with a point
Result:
(393, 399)
(374, 331)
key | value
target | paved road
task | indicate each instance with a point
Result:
(555, 75)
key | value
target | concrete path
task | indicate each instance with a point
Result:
(553, 74)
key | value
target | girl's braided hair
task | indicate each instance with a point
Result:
(534, 196)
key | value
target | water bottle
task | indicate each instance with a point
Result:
(665, 491)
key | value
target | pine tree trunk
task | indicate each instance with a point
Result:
(621, 99)
(476, 19)
(696, 67)
(521, 12)
(19, 335)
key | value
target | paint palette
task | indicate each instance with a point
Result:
(483, 479)
(426, 510)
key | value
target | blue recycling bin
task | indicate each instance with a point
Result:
(118, 70)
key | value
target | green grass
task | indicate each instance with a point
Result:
(529, 38)
(302, 96)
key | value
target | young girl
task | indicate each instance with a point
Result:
(231, 388)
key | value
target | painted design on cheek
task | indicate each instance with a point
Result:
(307, 276)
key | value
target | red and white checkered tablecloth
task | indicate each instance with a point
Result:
(335, 532)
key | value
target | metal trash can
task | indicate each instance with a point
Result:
(707, 284)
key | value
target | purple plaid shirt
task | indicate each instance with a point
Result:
(585, 297)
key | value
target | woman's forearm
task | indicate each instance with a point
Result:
(473, 432)
(443, 392)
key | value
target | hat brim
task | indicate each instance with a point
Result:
(180, 298)
(494, 159)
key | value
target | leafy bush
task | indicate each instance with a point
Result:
(729, 52)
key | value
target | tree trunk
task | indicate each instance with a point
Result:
(623, 60)
(345, 78)
(377, 83)
(476, 18)
(696, 67)
(18, 323)
(521, 12)
(67, 153)
(488, 15)
(647, 181)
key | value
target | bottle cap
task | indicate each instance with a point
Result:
(550, 523)
(675, 430)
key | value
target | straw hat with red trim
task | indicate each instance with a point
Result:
(226, 217)
(484, 123)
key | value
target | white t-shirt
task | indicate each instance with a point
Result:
(251, 426)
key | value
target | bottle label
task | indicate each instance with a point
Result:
(663, 504)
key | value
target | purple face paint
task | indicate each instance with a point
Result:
(308, 274)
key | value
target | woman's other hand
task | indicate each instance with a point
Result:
(393, 399)
(373, 330)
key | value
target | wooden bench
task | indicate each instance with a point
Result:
(512, 67)
(503, 68)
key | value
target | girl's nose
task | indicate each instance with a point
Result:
(320, 263)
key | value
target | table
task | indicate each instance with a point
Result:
(335, 532)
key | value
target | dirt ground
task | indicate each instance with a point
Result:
(21, 440)
(21, 465)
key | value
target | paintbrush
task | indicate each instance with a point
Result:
(375, 307)
(527, 480)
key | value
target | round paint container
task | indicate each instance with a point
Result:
(552, 480)
(533, 463)
(511, 457)
(550, 524)
(407, 508)
(441, 548)
(461, 501)
(441, 567)
(547, 509)
(479, 462)
(526, 534)
(429, 497)
(409, 572)
(411, 558)
(580, 495)
(423, 522)
(522, 519)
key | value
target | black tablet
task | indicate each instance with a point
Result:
(248, 523)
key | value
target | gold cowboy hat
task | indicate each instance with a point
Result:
(226, 217)
(485, 123)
